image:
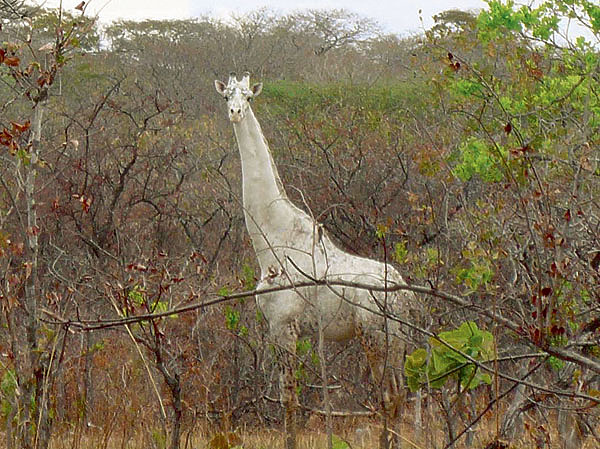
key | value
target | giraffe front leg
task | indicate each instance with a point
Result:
(385, 357)
(286, 359)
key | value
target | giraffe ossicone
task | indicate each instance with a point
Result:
(291, 248)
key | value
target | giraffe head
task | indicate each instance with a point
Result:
(238, 94)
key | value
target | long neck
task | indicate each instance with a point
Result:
(261, 183)
(274, 223)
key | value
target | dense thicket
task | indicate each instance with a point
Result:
(467, 156)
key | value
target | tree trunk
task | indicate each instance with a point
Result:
(418, 423)
(87, 379)
(33, 424)
(174, 383)
(324, 377)
(175, 388)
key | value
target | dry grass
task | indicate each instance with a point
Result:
(359, 434)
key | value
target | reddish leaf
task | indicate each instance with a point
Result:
(80, 6)
(28, 269)
(18, 128)
(553, 269)
(546, 291)
(450, 56)
(5, 137)
(85, 203)
(12, 61)
(537, 336)
(43, 79)
(137, 267)
(2, 54)
(537, 73)
(595, 262)
(508, 128)
(568, 215)
(549, 239)
(33, 230)
(18, 248)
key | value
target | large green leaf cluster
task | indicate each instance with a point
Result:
(446, 359)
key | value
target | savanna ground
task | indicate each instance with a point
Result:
(467, 156)
(352, 433)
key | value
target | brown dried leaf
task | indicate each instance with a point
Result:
(28, 269)
(12, 61)
(47, 47)
(20, 128)
(595, 262)
(5, 137)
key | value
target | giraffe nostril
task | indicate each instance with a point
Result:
(232, 111)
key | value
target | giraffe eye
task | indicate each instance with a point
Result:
(226, 98)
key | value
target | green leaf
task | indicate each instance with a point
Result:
(8, 387)
(232, 318)
(445, 363)
(248, 277)
(24, 156)
(136, 295)
(555, 363)
(303, 346)
(381, 231)
(338, 443)
(414, 368)
(401, 252)
(224, 291)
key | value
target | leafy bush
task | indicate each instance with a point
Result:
(477, 158)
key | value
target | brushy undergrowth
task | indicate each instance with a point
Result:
(349, 434)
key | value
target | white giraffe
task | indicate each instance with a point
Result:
(291, 248)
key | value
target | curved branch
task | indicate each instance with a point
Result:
(561, 353)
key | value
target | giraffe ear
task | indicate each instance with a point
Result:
(220, 86)
(257, 89)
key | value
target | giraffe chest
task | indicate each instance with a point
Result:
(309, 308)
